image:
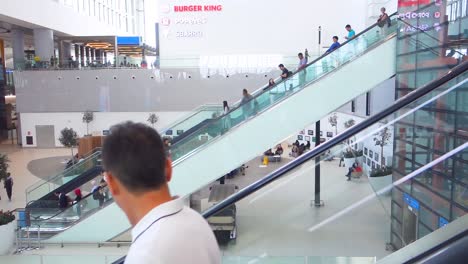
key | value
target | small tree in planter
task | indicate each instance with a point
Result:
(3, 166)
(152, 119)
(380, 178)
(69, 138)
(333, 120)
(88, 117)
(382, 139)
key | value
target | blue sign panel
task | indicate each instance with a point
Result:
(442, 222)
(129, 41)
(413, 203)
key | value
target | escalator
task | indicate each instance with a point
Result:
(307, 96)
(395, 218)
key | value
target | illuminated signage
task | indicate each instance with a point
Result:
(198, 8)
(403, 3)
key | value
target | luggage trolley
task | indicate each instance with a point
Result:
(223, 223)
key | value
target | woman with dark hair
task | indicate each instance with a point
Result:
(227, 119)
(271, 83)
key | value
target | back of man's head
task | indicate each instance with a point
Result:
(335, 38)
(134, 154)
(281, 65)
(348, 26)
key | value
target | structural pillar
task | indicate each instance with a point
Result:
(88, 59)
(77, 53)
(82, 56)
(93, 55)
(44, 43)
(18, 48)
(317, 201)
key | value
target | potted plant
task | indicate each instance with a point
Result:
(7, 232)
(333, 120)
(380, 178)
(3, 166)
(152, 119)
(88, 117)
(69, 139)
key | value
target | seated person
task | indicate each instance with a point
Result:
(301, 149)
(279, 150)
(294, 151)
(354, 168)
(296, 143)
(269, 152)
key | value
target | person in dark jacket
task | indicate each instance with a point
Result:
(8, 184)
(63, 200)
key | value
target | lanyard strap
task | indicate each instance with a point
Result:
(146, 229)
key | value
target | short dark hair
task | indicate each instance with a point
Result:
(335, 37)
(348, 26)
(300, 54)
(281, 65)
(134, 154)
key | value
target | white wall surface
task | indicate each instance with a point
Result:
(50, 14)
(102, 121)
(258, 27)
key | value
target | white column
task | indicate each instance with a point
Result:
(18, 48)
(44, 43)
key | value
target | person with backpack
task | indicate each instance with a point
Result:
(383, 20)
(8, 184)
(99, 193)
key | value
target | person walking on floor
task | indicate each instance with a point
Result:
(8, 184)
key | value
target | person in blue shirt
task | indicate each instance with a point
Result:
(334, 46)
(351, 32)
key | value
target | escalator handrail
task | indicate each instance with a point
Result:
(60, 212)
(338, 139)
(284, 80)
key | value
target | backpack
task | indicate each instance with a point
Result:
(96, 194)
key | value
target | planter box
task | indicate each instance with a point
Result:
(378, 183)
(7, 233)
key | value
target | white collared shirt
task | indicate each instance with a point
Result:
(173, 233)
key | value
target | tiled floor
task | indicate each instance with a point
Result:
(276, 221)
(22, 177)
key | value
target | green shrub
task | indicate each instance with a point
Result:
(350, 154)
(380, 172)
(6, 217)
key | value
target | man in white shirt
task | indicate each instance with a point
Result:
(164, 230)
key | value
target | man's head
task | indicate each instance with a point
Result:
(335, 39)
(382, 9)
(348, 27)
(134, 162)
(300, 56)
(281, 66)
(245, 92)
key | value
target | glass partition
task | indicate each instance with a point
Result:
(267, 98)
